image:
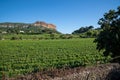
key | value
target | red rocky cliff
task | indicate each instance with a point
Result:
(39, 23)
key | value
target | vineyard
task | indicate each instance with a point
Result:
(20, 57)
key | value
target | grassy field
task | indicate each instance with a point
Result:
(26, 36)
(19, 57)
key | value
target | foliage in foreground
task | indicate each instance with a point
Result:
(25, 56)
(109, 37)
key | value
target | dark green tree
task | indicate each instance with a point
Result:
(82, 30)
(109, 38)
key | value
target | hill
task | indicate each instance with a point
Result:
(37, 27)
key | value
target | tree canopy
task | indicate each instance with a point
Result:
(109, 38)
(82, 30)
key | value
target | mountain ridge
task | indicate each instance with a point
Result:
(38, 27)
(20, 24)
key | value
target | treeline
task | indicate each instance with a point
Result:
(40, 33)
(37, 36)
(87, 32)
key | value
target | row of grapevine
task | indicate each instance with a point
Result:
(22, 57)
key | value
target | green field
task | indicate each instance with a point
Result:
(19, 57)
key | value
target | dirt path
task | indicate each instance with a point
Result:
(99, 72)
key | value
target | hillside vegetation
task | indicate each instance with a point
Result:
(25, 28)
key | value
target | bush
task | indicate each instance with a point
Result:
(14, 38)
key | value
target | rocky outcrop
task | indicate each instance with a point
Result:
(43, 24)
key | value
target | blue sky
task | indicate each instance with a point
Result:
(67, 15)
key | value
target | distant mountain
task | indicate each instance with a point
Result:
(37, 27)
(37, 23)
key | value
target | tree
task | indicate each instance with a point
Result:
(89, 33)
(82, 30)
(109, 38)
